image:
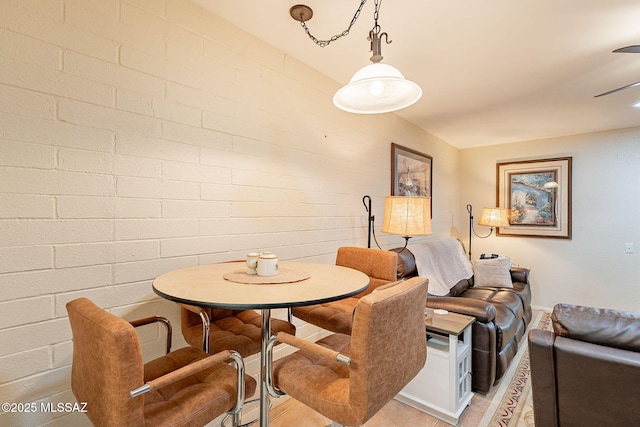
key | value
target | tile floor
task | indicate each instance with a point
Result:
(395, 414)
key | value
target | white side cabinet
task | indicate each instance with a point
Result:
(443, 387)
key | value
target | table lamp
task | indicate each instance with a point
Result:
(490, 217)
(407, 216)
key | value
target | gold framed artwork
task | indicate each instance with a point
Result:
(538, 195)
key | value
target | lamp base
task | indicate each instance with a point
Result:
(301, 12)
(406, 242)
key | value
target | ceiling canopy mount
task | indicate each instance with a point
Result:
(301, 13)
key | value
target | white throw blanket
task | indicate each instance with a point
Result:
(443, 262)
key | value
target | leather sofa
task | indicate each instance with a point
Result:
(502, 315)
(587, 371)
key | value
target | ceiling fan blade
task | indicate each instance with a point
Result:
(619, 89)
(628, 49)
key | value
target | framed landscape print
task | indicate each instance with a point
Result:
(538, 195)
(411, 172)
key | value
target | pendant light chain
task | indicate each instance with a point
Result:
(323, 43)
(376, 15)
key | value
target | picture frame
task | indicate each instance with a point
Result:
(411, 172)
(538, 196)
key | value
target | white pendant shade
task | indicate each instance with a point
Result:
(377, 88)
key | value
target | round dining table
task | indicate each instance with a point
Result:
(227, 285)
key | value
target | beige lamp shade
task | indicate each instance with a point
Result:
(494, 217)
(407, 216)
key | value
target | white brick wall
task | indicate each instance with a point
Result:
(140, 136)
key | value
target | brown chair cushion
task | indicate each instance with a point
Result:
(190, 401)
(337, 316)
(238, 330)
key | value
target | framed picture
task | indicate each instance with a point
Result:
(538, 195)
(411, 172)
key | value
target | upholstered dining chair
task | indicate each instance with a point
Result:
(214, 329)
(186, 387)
(348, 379)
(337, 316)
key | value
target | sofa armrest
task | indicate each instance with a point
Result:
(406, 263)
(543, 371)
(520, 274)
(483, 311)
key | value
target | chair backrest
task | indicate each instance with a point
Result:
(388, 344)
(107, 365)
(586, 372)
(189, 318)
(379, 265)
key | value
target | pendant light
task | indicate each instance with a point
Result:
(375, 88)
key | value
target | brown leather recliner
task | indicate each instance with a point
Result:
(337, 316)
(586, 372)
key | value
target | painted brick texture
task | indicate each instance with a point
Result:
(140, 136)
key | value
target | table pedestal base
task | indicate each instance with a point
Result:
(264, 393)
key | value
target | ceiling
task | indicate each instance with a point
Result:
(491, 72)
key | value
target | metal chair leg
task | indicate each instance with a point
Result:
(206, 328)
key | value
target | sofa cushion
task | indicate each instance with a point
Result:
(505, 297)
(492, 272)
(523, 291)
(508, 299)
(509, 311)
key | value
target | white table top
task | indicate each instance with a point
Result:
(205, 286)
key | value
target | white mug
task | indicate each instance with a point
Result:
(252, 262)
(267, 264)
